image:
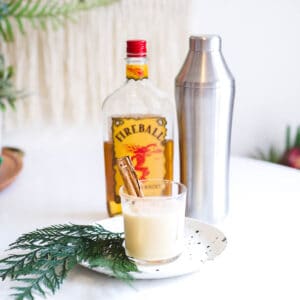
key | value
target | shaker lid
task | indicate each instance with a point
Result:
(205, 43)
(204, 66)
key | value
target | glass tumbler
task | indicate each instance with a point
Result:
(154, 224)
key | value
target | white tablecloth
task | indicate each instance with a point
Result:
(62, 181)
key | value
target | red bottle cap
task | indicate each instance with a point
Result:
(136, 48)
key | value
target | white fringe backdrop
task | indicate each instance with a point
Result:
(68, 72)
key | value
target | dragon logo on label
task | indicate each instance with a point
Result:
(140, 154)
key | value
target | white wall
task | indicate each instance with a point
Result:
(68, 72)
(261, 44)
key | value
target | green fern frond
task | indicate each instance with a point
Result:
(8, 93)
(40, 12)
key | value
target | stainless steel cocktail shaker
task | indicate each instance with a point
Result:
(204, 98)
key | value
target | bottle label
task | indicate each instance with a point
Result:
(137, 71)
(143, 140)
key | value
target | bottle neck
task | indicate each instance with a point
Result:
(136, 68)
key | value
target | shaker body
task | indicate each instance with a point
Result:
(204, 98)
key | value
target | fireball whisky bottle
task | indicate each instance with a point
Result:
(138, 122)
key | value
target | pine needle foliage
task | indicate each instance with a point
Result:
(41, 12)
(45, 257)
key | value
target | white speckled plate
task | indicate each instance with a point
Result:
(202, 242)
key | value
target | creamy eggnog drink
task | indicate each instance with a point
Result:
(154, 224)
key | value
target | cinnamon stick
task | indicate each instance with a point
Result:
(129, 176)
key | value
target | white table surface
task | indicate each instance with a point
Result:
(62, 180)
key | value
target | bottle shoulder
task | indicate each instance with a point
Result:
(139, 96)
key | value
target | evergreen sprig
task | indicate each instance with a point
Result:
(8, 93)
(49, 254)
(39, 12)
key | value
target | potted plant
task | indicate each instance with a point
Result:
(8, 93)
(290, 156)
(17, 15)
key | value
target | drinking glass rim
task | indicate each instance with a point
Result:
(131, 197)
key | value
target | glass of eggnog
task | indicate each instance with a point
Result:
(154, 223)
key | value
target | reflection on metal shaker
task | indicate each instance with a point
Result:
(204, 97)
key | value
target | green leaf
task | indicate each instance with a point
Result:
(259, 155)
(11, 102)
(8, 93)
(2, 106)
(10, 72)
(49, 254)
(3, 32)
(71, 18)
(35, 7)
(297, 139)
(42, 24)
(44, 10)
(288, 138)
(13, 6)
(39, 289)
(56, 23)
(34, 23)
(25, 10)
(39, 12)
(51, 10)
(273, 155)
(20, 25)
(9, 31)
